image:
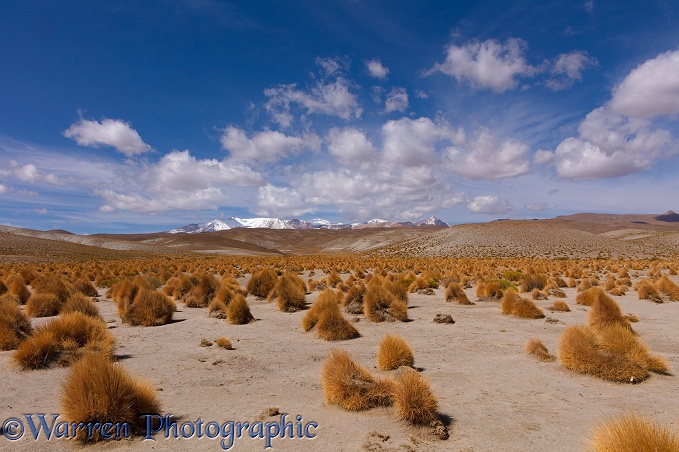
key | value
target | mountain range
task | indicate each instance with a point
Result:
(277, 223)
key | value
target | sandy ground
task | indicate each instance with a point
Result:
(495, 396)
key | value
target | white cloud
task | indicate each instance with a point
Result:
(488, 64)
(332, 98)
(41, 211)
(650, 90)
(4, 189)
(332, 66)
(589, 6)
(535, 207)
(266, 146)
(109, 132)
(483, 158)
(397, 100)
(29, 173)
(421, 94)
(280, 201)
(377, 69)
(488, 204)
(412, 142)
(620, 137)
(350, 145)
(568, 68)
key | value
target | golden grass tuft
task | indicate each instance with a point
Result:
(290, 293)
(413, 400)
(238, 311)
(98, 390)
(63, 341)
(580, 352)
(84, 286)
(16, 286)
(512, 303)
(647, 291)
(454, 292)
(667, 287)
(150, 308)
(605, 311)
(353, 300)
(632, 433)
(262, 282)
(394, 352)
(43, 305)
(536, 348)
(559, 305)
(352, 387)
(326, 300)
(224, 342)
(587, 297)
(81, 303)
(380, 304)
(508, 299)
(332, 326)
(14, 325)
(618, 338)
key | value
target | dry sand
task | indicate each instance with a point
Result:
(496, 396)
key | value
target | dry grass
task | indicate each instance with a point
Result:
(150, 308)
(394, 352)
(605, 311)
(14, 325)
(667, 287)
(332, 326)
(647, 291)
(588, 296)
(632, 433)
(43, 305)
(203, 292)
(618, 338)
(238, 311)
(380, 304)
(98, 390)
(81, 303)
(413, 400)
(512, 303)
(224, 342)
(16, 286)
(326, 300)
(349, 385)
(580, 352)
(290, 293)
(84, 286)
(559, 305)
(353, 300)
(454, 292)
(63, 341)
(536, 348)
(262, 282)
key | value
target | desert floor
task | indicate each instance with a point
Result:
(495, 396)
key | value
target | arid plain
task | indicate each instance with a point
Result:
(490, 393)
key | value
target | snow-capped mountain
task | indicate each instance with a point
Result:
(277, 223)
(432, 221)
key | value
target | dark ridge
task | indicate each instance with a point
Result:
(669, 217)
(640, 222)
(60, 231)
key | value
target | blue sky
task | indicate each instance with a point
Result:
(132, 116)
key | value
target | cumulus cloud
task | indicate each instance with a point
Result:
(397, 100)
(350, 145)
(3, 189)
(266, 146)
(483, 158)
(621, 137)
(332, 66)
(333, 98)
(109, 132)
(377, 69)
(177, 181)
(29, 173)
(488, 204)
(568, 68)
(488, 64)
(280, 201)
(412, 142)
(535, 207)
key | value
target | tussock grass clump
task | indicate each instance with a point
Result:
(559, 305)
(98, 390)
(14, 325)
(178, 286)
(534, 281)
(605, 311)
(580, 352)
(353, 300)
(332, 326)
(52, 284)
(618, 338)
(16, 286)
(394, 352)
(667, 287)
(63, 341)
(588, 296)
(149, 308)
(238, 311)
(43, 305)
(454, 292)
(647, 291)
(536, 348)
(352, 387)
(81, 303)
(224, 342)
(203, 292)
(380, 304)
(413, 400)
(327, 300)
(290, 293)
(512, 303)
(85, 286)
(262, 282)
(632, 433)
